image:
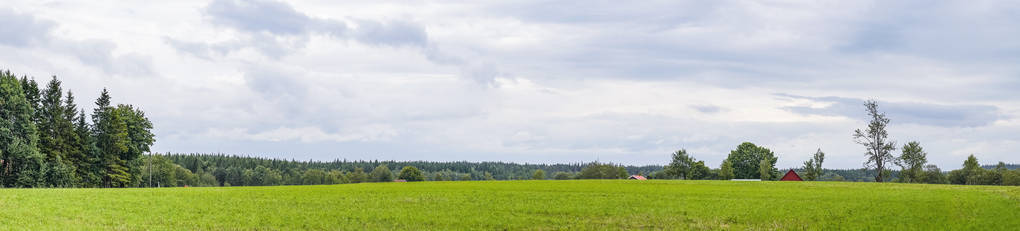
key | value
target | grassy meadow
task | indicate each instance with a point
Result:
(521, 205)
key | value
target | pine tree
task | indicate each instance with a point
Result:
(91, 169)
(54, 134)
(21, 164)
(76, 150)
(112, 141)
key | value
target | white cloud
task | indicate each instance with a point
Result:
(534, 81)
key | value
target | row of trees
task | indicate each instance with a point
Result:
(747, 161)
(913, 160)
(47, 141)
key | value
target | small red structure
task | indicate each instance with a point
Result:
(636, 177)
(791, 176)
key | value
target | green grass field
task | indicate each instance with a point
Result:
(521, 205)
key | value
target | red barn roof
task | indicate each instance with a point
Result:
(791, 176)
(636, 177)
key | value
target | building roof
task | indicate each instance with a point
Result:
(637, 177)
(791, 176)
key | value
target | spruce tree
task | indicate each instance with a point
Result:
(112, 141)
(91, 169)
(20, 161)
(54, 134)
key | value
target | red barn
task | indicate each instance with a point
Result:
(791, 176)
(636, 177)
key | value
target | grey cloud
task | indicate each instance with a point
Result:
(952, 30)
(21, 30)
(258, 16)
(26, 31)
(708, 109)
(391, 33)
(277, 29)
(274, 84)
(736, 44)
(970, 115)
(197, 49)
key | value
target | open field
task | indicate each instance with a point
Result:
(543, 205)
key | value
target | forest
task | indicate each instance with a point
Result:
(46, 140)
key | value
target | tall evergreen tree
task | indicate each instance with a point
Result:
(31, 91)
(112, 141)
(55, 136)
(91, 168)
(21, 164)
(75, 152)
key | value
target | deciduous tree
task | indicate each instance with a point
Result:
(381, 174)
(726, 170)
(747, 160)
(538, 175)
(912, 163)
(411, 173)
(813, 167)
(876, 140)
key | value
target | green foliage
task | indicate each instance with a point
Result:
(22, 163)
(315, 176)
(410, 173)
(681, 165)
(726, 170)
(912, 161)
(602, 171)
(338, 177)
(747, 159)
(57, 137)
(813, 167)
(876, 140)
(933, 175)
(562, 176)
(1011, 177)
(764, 170)
(357, 176)
(381, 174)
(539, 175)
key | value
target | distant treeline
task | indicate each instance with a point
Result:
(161, 170)
(169, 170)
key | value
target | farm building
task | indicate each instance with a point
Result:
(636, 177)
(791, 176)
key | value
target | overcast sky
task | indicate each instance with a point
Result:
(537, 81)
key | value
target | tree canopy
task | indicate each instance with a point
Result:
(747, 158)
(410, 173)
